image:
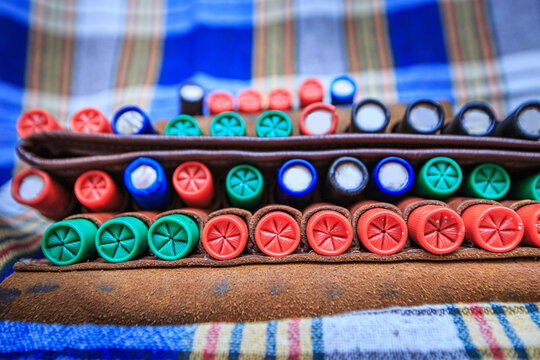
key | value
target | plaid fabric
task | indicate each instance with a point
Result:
(428, 332)
(18, 228)
(63, 55)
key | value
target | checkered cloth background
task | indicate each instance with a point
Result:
(429, 332)
(63, 55)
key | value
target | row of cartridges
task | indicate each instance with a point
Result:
(278, 231)
(424, 116)
(297, 183)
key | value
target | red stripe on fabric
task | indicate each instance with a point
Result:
(211, 342)
(487, 51)
(125, 53)
(381, 42)
(352, 43)
(18, 245)
(294, 338)
(260, 49)
(487, 334)
(33, 67)
(456, 54)
(154, 53)
(66, 58)
(288, 38)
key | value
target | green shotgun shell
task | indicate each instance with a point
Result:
(439, 178)
(172, 237)
(273, 123)
(183, 125)
(227, 124)
(69, 241)
(122, 239)
(488, 181)
(528, 188)
(244, 185)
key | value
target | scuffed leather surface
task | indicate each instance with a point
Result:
(257, 292)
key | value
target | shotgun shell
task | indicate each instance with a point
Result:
(438, 229)
(474, 119)
(193, 181)
(90, 120)
(329, 233)
(439, 178)
(296, 179)
(318, 119)
(382, 231)
(69, 241)
(530, 216)
(393, 176)
(346, 179)
(35, 121)
(227, 124)
(35, 188)
(220, 101)
(173, 237)
(422, 117)
(487, 181)
(122, 239)
(191, 98)
(310, 91)
(524, 122)
(96, 190)
(224, 237)
(342, 90)
(528, 188)
(146, 181)
(280, 99)
(277, 234)
(273, 123)
(369, 116)
(249, 101)
(244, 186)
(493, 228)
(131, 120)
(183, 125)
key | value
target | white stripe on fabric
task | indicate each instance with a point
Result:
(515, 25)
(522, 77)
(320, 38)
(8, 206)
(391, 331)
(95, 53)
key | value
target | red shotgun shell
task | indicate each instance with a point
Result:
(35, 121)
(310, 91)
(220, 101)
(37, 189)
(277, 234)
(90, 120)
(249, 101)
(224, 237)
(96, 190)
(382, 231)
(530, 215)
(318, 119)
(193, 182)
(280, 99)
(492, 227)
(329, 233)
(438, 229)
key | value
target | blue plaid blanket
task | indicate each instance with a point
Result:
(63, 55)
(453, 331)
